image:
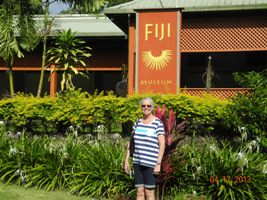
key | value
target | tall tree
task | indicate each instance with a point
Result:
(88, 5)
(79, 9)
(116, 2)
(46, 30)
(16, 31)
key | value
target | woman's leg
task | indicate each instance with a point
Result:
(150, 194)
(139, 182)
(145, 182)
(150, 183)
(140, 193)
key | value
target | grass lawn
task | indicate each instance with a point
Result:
(14, 192)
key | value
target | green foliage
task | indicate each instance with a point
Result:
(80, 165)
(250, 110)
(23, 111)
(94, 167)
(227, 172)
(17, 32)
(85, 6)
(68, 53)
(203, 109)
(80, 108)
(99, 164)
(68, 107)
(173, 136)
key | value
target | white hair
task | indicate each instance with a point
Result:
(147, 99)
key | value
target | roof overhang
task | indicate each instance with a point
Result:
(188, 6)
(120, 14)
(83, 25)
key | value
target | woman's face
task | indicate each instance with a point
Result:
(146, 107)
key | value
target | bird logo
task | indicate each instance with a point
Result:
(156, 62)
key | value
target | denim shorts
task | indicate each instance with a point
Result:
(144, 177)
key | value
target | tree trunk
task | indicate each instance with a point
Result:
(40, 86)
(11, 81)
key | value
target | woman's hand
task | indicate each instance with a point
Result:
(126, 162)
(127, 166)
(156, 169)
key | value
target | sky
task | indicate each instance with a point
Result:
(56, 7)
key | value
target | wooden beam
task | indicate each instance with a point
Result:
(131, 57)
(48, 69)
(53, 83)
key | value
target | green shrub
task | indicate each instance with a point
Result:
(250, 110)
(225, 172)
(99, 172)
(54, 115)
(82, 166)
(24, 111)
(67, 109)
(94, 167)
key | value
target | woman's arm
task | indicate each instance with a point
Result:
(126, 162)
(127, 151)
(161, 139)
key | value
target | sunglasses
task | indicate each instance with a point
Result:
(148, 106)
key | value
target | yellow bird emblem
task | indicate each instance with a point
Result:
(156, 62)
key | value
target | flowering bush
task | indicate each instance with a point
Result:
(250, 110)
(173, 135)
(82, 166)
(223, 171)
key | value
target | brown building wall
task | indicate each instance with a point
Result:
(219, 32)
(237, 42)
(108, 56)
(106, 53)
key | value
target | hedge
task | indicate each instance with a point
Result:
(82, 109)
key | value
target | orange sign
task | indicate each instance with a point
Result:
(156, 68)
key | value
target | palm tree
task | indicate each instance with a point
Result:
(16, 31)
(10, 29)
(68, 53)
(88, 6)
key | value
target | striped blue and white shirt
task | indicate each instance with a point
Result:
(146, 144)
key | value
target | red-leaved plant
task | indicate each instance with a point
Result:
(172, 137)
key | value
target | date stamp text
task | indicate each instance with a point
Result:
(227, 179)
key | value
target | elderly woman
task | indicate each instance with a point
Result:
(149, 144)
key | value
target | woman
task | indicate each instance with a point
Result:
(149, 144)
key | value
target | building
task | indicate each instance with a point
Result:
(166, 45)
(232, 33)
(109, 54)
